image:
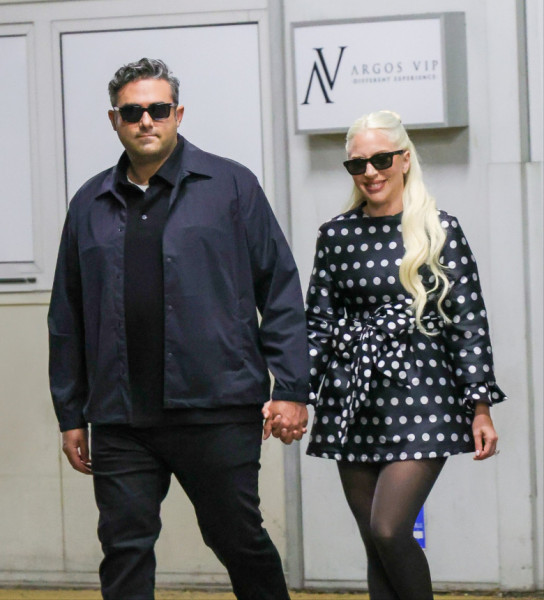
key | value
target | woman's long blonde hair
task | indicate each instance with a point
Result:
(422, 234)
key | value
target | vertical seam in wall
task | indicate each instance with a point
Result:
(523, 81)
(62, 509)
(292, 473)
(279, 129)
(525, 157)
(530, 373)
(64, 139)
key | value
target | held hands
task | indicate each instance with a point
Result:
(285, 420)
(485, 436)
(75, 444)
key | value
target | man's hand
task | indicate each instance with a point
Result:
(75, 444)
(285, 420)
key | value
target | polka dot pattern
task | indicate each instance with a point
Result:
(383, 390)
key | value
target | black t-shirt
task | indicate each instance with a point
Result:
(147, 213)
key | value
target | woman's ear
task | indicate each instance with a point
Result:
(406, 162)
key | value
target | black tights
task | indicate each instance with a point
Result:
(385, 500)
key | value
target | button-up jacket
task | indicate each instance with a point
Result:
(224, 258)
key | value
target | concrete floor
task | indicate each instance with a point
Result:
(51, 594)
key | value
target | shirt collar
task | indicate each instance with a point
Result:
(185, 159)
(167, 172)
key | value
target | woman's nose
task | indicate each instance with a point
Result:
(370, 170)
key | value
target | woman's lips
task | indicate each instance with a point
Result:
(375, 186)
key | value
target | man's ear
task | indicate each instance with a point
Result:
(180, 109)
(111, 115)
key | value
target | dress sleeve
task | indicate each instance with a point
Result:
(323, 310)
(467, 336)
(477, 392)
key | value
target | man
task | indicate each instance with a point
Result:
(156, 343)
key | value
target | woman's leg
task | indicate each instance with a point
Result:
(400, 492)
(385, 501)
(359, 482)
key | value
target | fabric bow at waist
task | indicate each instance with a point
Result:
(380, 343)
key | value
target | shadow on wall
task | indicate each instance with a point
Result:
(326, 152)
(442, 146)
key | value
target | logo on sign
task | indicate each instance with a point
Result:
(321, 73)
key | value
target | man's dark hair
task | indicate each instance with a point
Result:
(145, 68)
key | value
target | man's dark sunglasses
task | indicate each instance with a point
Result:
(383, 160)
(132, 113)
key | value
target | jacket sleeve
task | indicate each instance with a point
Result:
(467, 337)
(278, 295)
(323, 311)
(67, 371)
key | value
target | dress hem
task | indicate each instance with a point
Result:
(403, 456)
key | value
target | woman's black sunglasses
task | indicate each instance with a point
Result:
(383, 160)
(132, 113)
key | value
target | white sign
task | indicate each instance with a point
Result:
(344, 70)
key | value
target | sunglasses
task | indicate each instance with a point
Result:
(381, 161)
(132, 113)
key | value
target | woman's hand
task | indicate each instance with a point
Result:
(485, 436)
(284, 420)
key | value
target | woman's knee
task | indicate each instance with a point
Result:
(386, 534)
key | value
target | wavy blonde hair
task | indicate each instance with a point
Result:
(422, 234)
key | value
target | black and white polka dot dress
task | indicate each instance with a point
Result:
(383, 390)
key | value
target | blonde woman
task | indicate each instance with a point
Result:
(402, 370)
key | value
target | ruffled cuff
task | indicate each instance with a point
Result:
(488, 392)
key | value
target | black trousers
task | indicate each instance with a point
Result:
(217, 466)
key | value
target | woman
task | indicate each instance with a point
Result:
(402, 370)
